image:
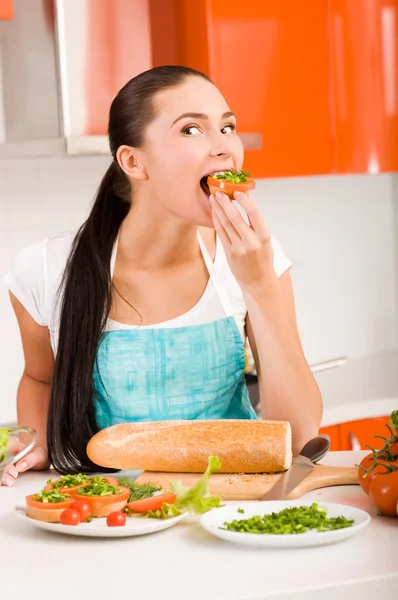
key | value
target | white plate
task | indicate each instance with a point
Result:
(99, 528)
(213, 520)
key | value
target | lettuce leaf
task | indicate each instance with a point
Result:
(3, 442)
(195, 499)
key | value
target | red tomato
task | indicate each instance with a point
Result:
(394, 448)
(365, 479)
(70, 516)
(83, 508)
(384, 493)
(152, 503)
(116, 519)
(67, 503)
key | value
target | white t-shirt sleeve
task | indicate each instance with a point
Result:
(26, 280)
(281, 262)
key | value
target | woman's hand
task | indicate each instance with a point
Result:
(36, 459)
(248, 247)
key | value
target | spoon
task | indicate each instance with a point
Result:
(11, 458)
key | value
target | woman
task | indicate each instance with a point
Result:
(146, 308)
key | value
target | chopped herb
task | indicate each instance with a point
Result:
(234, 176)
(50, 497)
(240, 510)
(68, 481)
(138, 491)
(4, 433)
(98, 488)
(289, 521)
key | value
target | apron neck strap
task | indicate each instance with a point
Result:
(215, 276)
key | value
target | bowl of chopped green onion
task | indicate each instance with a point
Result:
(285, 524)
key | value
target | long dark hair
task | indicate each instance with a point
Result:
(86, 287)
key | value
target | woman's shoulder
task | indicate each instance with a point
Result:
(36, 272)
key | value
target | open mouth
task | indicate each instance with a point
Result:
(204, 185)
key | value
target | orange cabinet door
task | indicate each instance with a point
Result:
(364, 63)
(6, 9)
(271, 62)
(363, 432)
(333, 431)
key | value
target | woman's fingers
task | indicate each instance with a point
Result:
(230, 218)
(256, 220)
(224, 222)
(37, 456)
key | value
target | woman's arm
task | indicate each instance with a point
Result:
(288, 390)
(34, 389)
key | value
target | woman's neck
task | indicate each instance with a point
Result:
(156, 241)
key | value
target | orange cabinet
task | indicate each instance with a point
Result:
(364, 66)
(271, 61)
(363, 432)
(314, 85)
(6, 9)
(357, 435)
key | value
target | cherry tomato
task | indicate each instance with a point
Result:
(70, 516)
(383, 492)
(83, 508)
(116, 519)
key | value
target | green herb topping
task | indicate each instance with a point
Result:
(68, 481)
(233, 176)
(98, 488)
(289, 521)
(50, 497)
(139, 491)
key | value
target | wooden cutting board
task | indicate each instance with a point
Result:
(254, 486)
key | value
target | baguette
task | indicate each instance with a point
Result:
(243, 446)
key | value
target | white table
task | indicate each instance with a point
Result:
(187, 563)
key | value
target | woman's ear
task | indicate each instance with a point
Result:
(130, 161)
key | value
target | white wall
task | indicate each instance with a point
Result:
(339, 231)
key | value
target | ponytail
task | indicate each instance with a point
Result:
(86, 286)
(86, 301)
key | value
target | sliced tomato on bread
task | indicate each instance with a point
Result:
(110, 499)
(151, 503)
(50, 512)
(230, 181)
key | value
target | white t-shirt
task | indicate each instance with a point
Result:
(38, 269)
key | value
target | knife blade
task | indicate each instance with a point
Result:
(299, 470)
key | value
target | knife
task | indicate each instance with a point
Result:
(313, 451)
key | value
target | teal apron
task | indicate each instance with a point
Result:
(193, 372)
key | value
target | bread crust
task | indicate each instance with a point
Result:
(243, 446)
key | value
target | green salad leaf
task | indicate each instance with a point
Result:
(4, 435)
(196, 499)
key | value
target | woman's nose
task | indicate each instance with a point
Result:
(220, 145)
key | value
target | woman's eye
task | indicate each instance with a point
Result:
(191, 130)
(230, 128)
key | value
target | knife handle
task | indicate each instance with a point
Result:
(316, 448)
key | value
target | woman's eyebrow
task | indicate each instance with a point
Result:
(203, 116)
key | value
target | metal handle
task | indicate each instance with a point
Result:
(329, 364)
(354, 441)
(29, 446)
